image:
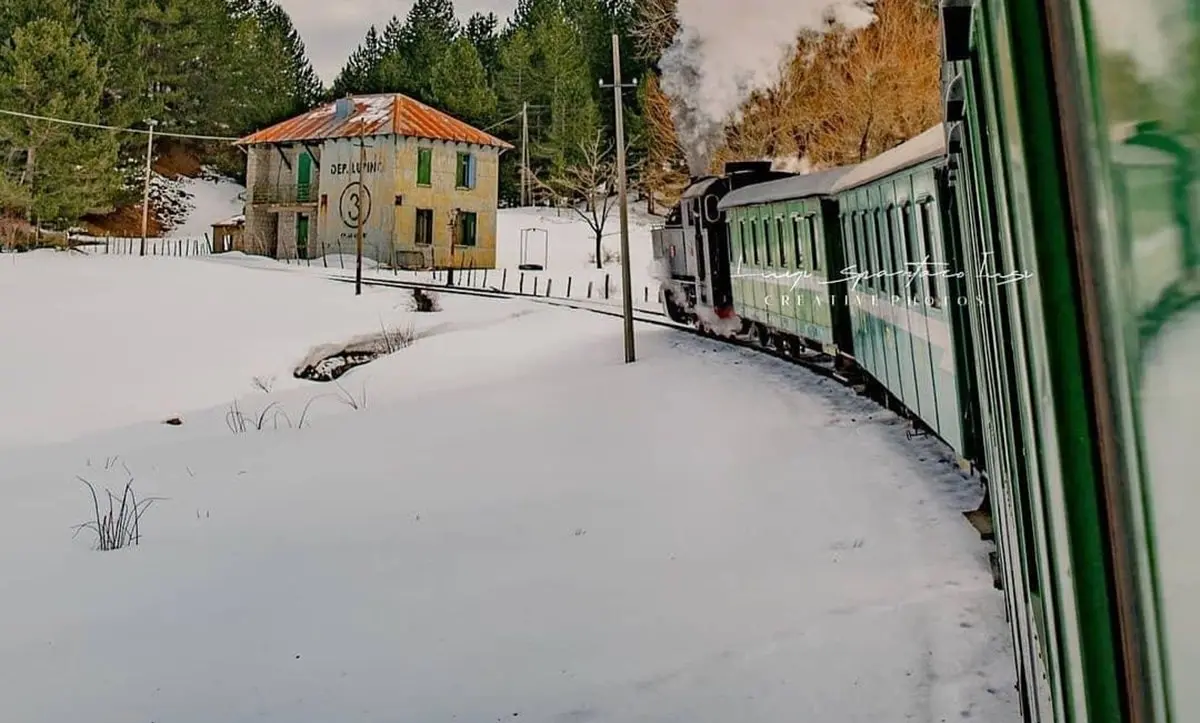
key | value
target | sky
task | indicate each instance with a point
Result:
(332, 29)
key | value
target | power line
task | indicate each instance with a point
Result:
(506, 120)
(114, 128)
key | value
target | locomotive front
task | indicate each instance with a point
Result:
(691, 249)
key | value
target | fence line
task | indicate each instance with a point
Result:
(646, 297)
(155, 246)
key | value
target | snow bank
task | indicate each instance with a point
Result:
(102, 341)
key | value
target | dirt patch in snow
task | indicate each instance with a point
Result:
(327, 362)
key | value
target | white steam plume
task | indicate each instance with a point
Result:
(724, 50)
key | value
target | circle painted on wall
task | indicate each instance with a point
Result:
(348, 205)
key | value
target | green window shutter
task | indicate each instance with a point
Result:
(467, 236)
(424, 164)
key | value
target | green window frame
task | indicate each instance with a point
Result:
(424, 166)
(468, 228)
(464, 174)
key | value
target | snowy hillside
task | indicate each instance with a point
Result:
(193, 205)
(499, 522)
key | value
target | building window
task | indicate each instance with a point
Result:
(424, 232)
(464, 177)
(466, 228)
(424, 166)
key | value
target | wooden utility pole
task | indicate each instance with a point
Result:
(146, 190)
(525, 154)
(358, 231)
(626, 282)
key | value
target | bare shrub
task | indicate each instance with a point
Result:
(392, 340)
(355, 403)
(264, 384)
(426, 301)
(239, 423)
(121, 525)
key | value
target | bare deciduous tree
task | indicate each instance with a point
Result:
(589, 186)
(656, 26)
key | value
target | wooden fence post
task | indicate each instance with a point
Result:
(606, 286)
(568, 287)
(521, 285)
(589, 289)
(536, 279)
(548, 283)
(504, 280)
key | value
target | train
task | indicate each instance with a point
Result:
(1021, 280)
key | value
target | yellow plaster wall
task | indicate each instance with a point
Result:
(444, 198)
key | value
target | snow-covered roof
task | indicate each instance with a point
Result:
(231, 221)
(926, 146)
(785, 189)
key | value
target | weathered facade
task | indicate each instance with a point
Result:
(427, 185)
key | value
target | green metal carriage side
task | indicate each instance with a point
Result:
(900, 308)
(785, 257)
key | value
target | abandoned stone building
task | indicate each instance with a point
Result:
(426, 185)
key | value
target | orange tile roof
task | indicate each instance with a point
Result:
(383, 114)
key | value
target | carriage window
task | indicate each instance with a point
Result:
(913, 244)
(742, 239)
(851, 259)
(781, 239)
(815, 244)
(871, 241)
(882, 243)
(896, 254)
(882, 282)
(767, 242)
(868, 252)
(798, 240)
(938, 271)
(754, 239)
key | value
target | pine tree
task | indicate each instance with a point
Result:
(429, 30)
(361, 74)
(546, 66)
(483, 32)
(305, 87)
(529, 13)
(566, 85)
(460, 85)
(65, 171)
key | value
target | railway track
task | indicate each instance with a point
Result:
(821, 364)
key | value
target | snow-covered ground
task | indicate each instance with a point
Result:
(515, 525)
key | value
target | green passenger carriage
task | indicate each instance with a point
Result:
(786, 259)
